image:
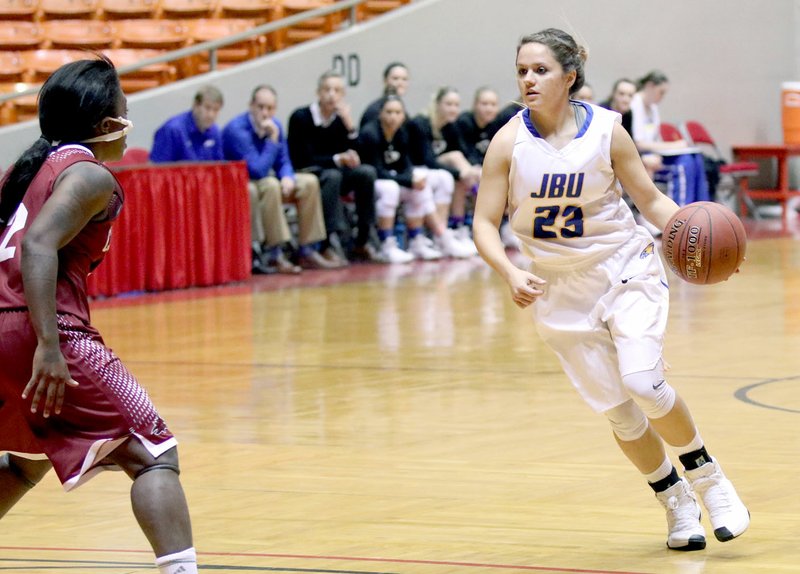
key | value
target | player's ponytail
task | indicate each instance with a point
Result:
(19, 177)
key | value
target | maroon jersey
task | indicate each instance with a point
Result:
(109, 405)
(76, 259)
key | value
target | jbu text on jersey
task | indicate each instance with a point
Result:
(560, 185)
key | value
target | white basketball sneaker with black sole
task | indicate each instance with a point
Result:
(728, 514)
(683, 517)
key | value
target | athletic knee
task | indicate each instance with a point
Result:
(627, 421)
(651, 391)
(167, 461)
(27, 471)
(132, 457)
(387, 197)
(420, 203)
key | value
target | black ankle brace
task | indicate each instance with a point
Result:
(665, 483)
(695, 459)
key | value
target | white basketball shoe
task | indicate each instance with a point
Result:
(683, 517)
(729, 516)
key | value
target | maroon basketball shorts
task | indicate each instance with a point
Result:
(105, 409)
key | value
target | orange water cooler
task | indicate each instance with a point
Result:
(790, 108)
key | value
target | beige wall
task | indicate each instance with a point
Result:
(726, 59)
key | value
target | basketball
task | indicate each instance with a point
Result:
(704, 243)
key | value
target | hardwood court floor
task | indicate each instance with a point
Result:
(409, 420)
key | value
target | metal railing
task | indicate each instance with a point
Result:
(211, 46)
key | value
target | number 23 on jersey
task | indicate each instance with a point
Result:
(545, 221)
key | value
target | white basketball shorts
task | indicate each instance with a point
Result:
(606, 320)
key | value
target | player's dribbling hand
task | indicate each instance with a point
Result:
(525, 288)
(48, 381)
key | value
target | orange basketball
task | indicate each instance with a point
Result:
(704, 243)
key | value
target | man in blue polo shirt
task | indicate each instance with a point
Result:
(191, 135)
(257, 137)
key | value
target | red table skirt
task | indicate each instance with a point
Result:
(182, 225)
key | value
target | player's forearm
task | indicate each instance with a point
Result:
(491, 248)
(659, 210)
(39, 277)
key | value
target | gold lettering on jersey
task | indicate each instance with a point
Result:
(557, 185)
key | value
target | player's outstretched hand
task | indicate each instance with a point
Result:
(525, 287)
(48, 381)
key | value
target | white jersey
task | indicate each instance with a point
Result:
(565, 205)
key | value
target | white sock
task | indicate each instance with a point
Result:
(696, 444)
(183, 562)
(661, 472)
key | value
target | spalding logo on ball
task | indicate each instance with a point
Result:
(704, 243)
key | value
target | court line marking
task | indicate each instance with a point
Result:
(743, 394)
(356, 367)
(558, 569)
(38, 563)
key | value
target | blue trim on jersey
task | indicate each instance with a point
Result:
(526, 118)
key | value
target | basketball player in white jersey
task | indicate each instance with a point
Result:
(599, 288)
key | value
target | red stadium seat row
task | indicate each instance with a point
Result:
(263, 10)
(31, 50)
(36, 65)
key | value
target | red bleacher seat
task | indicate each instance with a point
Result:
(19, 10)
(15, 35)
(85, 34)
(127, 9)
(68, 9)
(207, 29)
(145, 78)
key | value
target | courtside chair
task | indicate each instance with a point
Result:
(132, 156)
(670, 132)
(664, 177)
(733, 176)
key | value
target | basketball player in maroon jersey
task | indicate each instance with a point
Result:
(66, 401)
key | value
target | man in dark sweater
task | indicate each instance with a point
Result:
(322, 140)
